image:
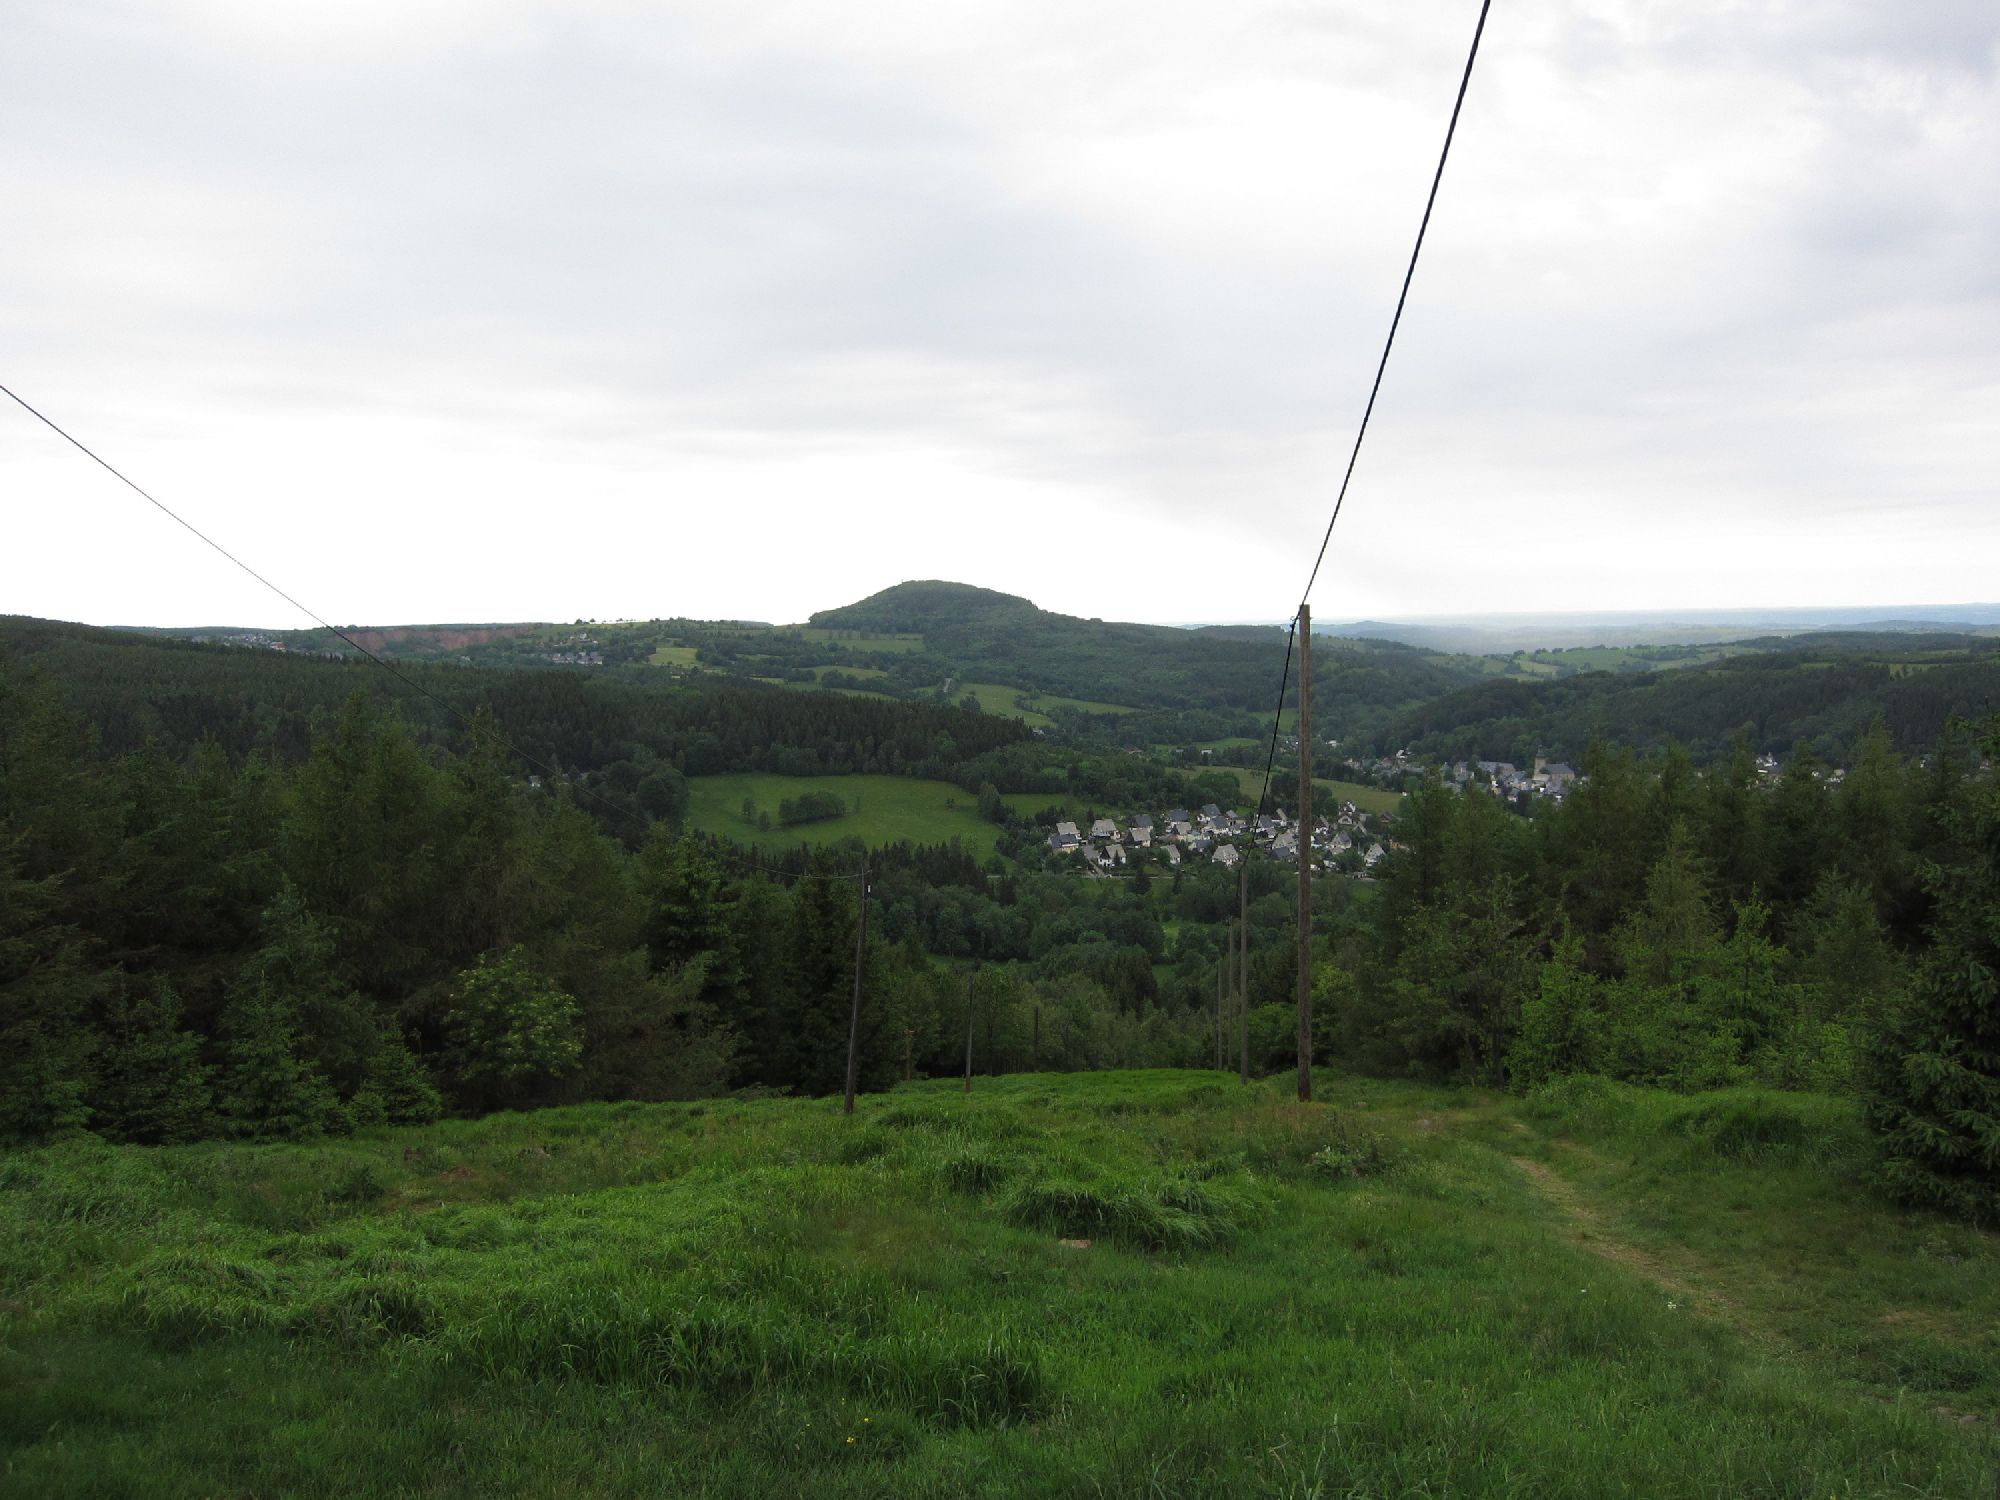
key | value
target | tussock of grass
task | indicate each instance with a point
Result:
(1173, 1215)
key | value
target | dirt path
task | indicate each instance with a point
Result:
(1683, 1277)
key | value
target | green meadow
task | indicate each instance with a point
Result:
(1107, 1284)
(880, 810)
(998, 698)
(1367, 798)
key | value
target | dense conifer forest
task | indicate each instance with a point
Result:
(259, 895)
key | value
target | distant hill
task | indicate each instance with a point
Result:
(989, 636)
(1825, 689)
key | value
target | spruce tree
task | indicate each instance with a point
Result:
(1936, 1066)
(152, 1087)
(269, 1089)
(395, 1089)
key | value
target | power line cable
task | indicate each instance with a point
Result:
(1402, 297)
(385, 665)
(1381, 366)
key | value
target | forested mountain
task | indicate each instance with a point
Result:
(1824, 690)
(1003, 638)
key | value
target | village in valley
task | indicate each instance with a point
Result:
(1349, 840)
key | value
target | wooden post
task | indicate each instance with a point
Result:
(1305, 855)
(854, 1018)
(1035, 1057)
(909, 1035)
(971, 984)
(1221, 969)
(1243, 974)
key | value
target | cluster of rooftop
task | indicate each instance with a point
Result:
(1222, 835)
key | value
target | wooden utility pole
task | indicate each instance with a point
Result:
(971, 984)
(1221, 969)
(1243, 973)
(1305, 854)
(854, 1018)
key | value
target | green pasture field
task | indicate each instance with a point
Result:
(1119, 1284)
(1631, 658)
(998, 698)
(672, 656)
(862, 672)
(891, 809)
(1368, 798)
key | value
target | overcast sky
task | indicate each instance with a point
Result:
(489, 309)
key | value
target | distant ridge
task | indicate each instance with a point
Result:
(1490, 634)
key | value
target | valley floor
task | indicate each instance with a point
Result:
(1109, 1284)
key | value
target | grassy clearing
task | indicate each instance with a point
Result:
(880, 810)
(998, 698)
(1412, 1292)
(1367, 798)
(672, 656)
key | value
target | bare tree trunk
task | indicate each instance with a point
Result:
(854, 1018)
(1305, 854)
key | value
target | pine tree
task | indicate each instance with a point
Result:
(269, 1090)
(1562, 1021)
(395, 1089)
(152, 1086)
(47, 988)
(1936, 1066)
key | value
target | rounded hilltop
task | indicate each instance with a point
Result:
(918, 605)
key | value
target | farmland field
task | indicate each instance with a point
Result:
(673, 656)
(881, 810)
(1097, 1284)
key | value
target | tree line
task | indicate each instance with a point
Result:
(1692, 931)
(388, 929)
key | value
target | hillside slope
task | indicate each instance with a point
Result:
(1825, 690)
(1112, 1284)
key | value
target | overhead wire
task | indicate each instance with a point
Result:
(1374, 390)
(471, 725)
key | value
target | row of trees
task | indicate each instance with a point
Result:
(1696, 931)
